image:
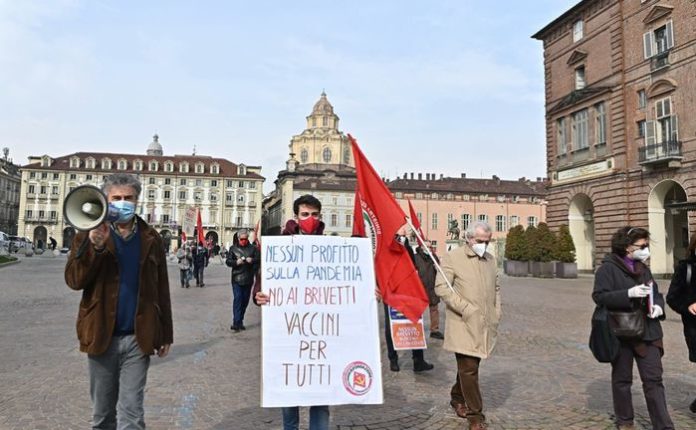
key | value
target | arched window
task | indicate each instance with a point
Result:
(304, 155)
(326, 155)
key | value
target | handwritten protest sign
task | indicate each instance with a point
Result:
(405, 334)
(320, 341)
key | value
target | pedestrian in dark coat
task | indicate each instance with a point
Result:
(427, 273)
(200, 262)
(682, 298)
(624, 282)
(243, 258)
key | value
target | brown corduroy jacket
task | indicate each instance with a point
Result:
(96, 275)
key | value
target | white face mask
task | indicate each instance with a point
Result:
(641, 254)
(479, 248)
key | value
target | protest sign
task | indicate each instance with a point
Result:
(320, 332)
(406, 334)
(189, 221)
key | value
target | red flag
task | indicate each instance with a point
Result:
(398, 281)
(358, 220)
(199, 227)
(183, 237)
(414, 219)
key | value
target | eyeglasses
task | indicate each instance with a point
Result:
(645, 245)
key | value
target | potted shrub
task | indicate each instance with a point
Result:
(543, 265)
(515, 252)
(530, 246)
(566, 267)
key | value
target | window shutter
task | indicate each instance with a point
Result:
(669, 34)
(650, 133)
(674, 124)
(647, 44)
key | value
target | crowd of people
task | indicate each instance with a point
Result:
(121, 269)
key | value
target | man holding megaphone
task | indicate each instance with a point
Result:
(117, 260)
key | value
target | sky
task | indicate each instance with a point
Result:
(445, 87)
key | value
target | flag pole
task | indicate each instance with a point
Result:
(432, 257)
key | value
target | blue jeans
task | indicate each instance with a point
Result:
(117, 382)
(318, 418)
(242, 294)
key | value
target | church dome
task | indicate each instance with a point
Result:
(322, 107)
(155, 148)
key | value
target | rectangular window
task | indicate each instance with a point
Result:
(151, 194)
(73, 176)
(514, 220)
(578, 30)
(241, 184)
(29, 214)
(580, 81)
(213, 183)
(335, 201)
(349, 219)
(152, 181)
(182, 181)
(42, 214)
(600, 124)
(450, 217)
(334, 220)
(579, 127)
(483, 218)
(55, 176)
(44, 189)
(182, 195)
(167, 194)
(434, 222)
(229, 183)
(240, 198)
(562, 139)
(167, 181)
(32, 189)
(213, 197)
(641, 128)
(500, 223)
(32, 175)
(252, 185)
(532, 221)
(642, 99)
(44, 175)
(466, 220)
(419, 215)
(229, 198)
(198, 196)
(199, 182)
(658, 41)
(53, 215)
(54, 189)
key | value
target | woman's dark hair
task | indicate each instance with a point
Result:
(308, 200)
(626, 236)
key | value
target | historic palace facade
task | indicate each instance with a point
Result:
(620, 136)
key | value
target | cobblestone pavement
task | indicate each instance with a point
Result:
(541, 376)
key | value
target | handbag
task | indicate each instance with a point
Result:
(603, 344)
(628, 325)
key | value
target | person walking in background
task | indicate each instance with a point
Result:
(307, 209)
(184, 259)
(472, 317)
(54, 243)
(243, 258)
(200, 262)
(121, 269)
(623, 283)
(427, 273)
(681, 297)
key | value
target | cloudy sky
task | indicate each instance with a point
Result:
(430, 86)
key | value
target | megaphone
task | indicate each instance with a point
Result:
(86, 207)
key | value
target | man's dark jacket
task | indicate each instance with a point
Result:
(612, 281)
(97, 275)
(427, 273)
(680, 296)
(243, 274)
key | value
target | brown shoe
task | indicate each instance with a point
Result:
(459, 408)
(478, 426)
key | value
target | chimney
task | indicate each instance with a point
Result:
(420, 176)
(432, 176)
(411, 175)
(522, 179)
(405, 175)
(463, 175)
(442, 176)
(496, 178)
(427, 176)
(538, 179)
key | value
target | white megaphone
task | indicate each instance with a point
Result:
(86, 207)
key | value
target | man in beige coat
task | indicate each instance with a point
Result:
(472, 316)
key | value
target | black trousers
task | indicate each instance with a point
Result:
(417, 354)
(650, 370)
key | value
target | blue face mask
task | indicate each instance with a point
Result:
(124, 209)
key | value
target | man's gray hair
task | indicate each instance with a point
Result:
(243, 231)
(122, 180)
(478, 225)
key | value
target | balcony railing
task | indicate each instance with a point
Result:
(660, 152)
(659, 61)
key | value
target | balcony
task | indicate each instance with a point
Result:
(659, 61)
(667, 153)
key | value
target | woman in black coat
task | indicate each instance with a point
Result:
(623, 282)
(682, 298)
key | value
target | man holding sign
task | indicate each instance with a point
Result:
(319, 305)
